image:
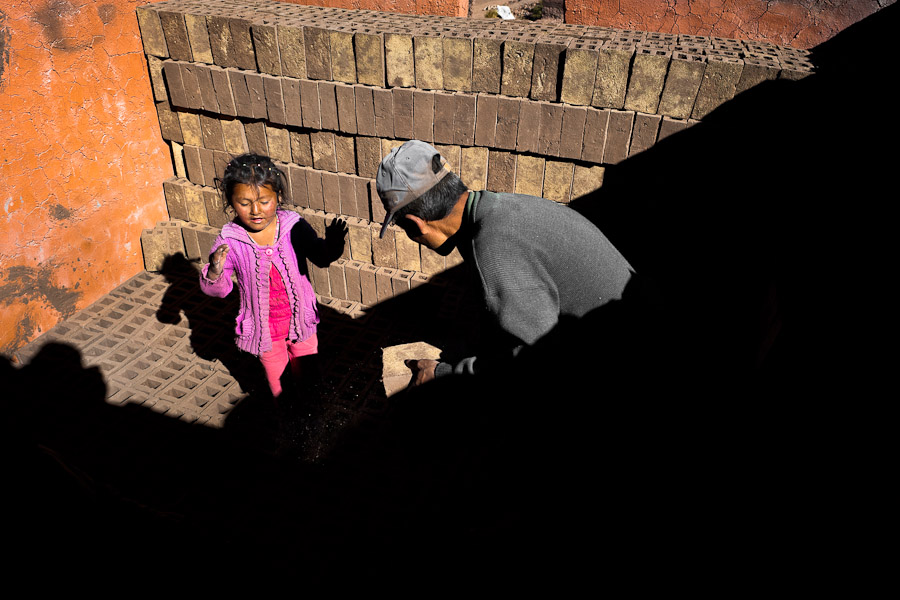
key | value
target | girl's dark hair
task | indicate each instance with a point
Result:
(255, 170)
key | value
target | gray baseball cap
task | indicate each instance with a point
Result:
(405, 174)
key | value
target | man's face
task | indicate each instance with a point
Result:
(426, 234)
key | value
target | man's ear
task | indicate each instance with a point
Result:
(414, 226)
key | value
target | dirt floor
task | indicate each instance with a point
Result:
(519, 8)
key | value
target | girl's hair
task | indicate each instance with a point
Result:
(255, 170)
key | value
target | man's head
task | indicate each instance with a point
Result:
(417, 190)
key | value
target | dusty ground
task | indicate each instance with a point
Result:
(518, 7)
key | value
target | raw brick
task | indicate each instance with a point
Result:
(233, 136)
(611, 82)
(256, 88)
(317, 51)
(530, 113)
(365, 111)
(443, 117)
(301, 149)
(265, 43)
(423, 116)
(208, 100)
(191, 85)
(243, 107)
(322, 143)
(211, 132)
(293, 107)
(720, 80)
(195, 205)
(345, 97)
(336, 279)
(646, 128)
(670, 126)
(190, 128)
(382, 101)
(400, 282)
(369, 58)
(571, 141)
(757, 70)
(595, 126)
(215, 208)
(368, 156)
(487, 54)
(367, 284)
(518, 58)
(347, 200)
(432, 262)
(155, 249)
(648, 75)
(362, 198)
(550, 128)
(169, 123)
(618, 136)
(407, 253)
(178, 159)
(344, 153)
(242, 44)
(457, 63)
(529, 175)
(207, 164)
(274, 99)
(464, 119)
(331, 192)
(384, 288)
(172, 75)
(485, 119)
(328, 105)
(220, 41)
(578, 74)
(473, 167)
(360, 239)
(292, 50)
(198, 36)
(157, 79)
(682, 84)
(548, 59)
(175, 30)
(279, 143)
(256, 137)
(586, 179)
(507, 122)
(403, 113)
(343, 61)
(351, 279)
(501, 175)
(375, 205)
(309, 102)
(558, 180)
(297, 177)
(451, 154)
(429, 58)
(152, 35)
(399, 61)
(173, 190)
(314, 192)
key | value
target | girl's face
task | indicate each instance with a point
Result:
(255, 206)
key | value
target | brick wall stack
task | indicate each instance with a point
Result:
(515, 106)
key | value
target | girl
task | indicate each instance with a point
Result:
(265, 247)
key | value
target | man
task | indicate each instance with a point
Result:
(534, 259)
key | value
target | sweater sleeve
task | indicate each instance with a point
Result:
(221, 287)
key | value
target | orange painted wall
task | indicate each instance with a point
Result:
(82, 159)
(796, 23)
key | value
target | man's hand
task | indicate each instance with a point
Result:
(217, 262)
(423, 370)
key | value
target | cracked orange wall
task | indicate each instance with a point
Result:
(82, 160)
(796, 23)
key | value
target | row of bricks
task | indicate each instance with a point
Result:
(596, 136)
(243, 14)
(346, 278)
(539, 65)
(355, 196)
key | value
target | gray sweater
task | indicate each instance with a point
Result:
(535, 260)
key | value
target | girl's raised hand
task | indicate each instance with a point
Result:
(217, 262)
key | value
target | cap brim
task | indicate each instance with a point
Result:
(387, 221)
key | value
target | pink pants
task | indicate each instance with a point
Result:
(275, 360)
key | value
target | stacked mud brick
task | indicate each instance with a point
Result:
(515, 106)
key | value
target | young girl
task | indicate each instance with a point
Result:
(265, 247)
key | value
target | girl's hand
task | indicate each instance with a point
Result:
(217, 262)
